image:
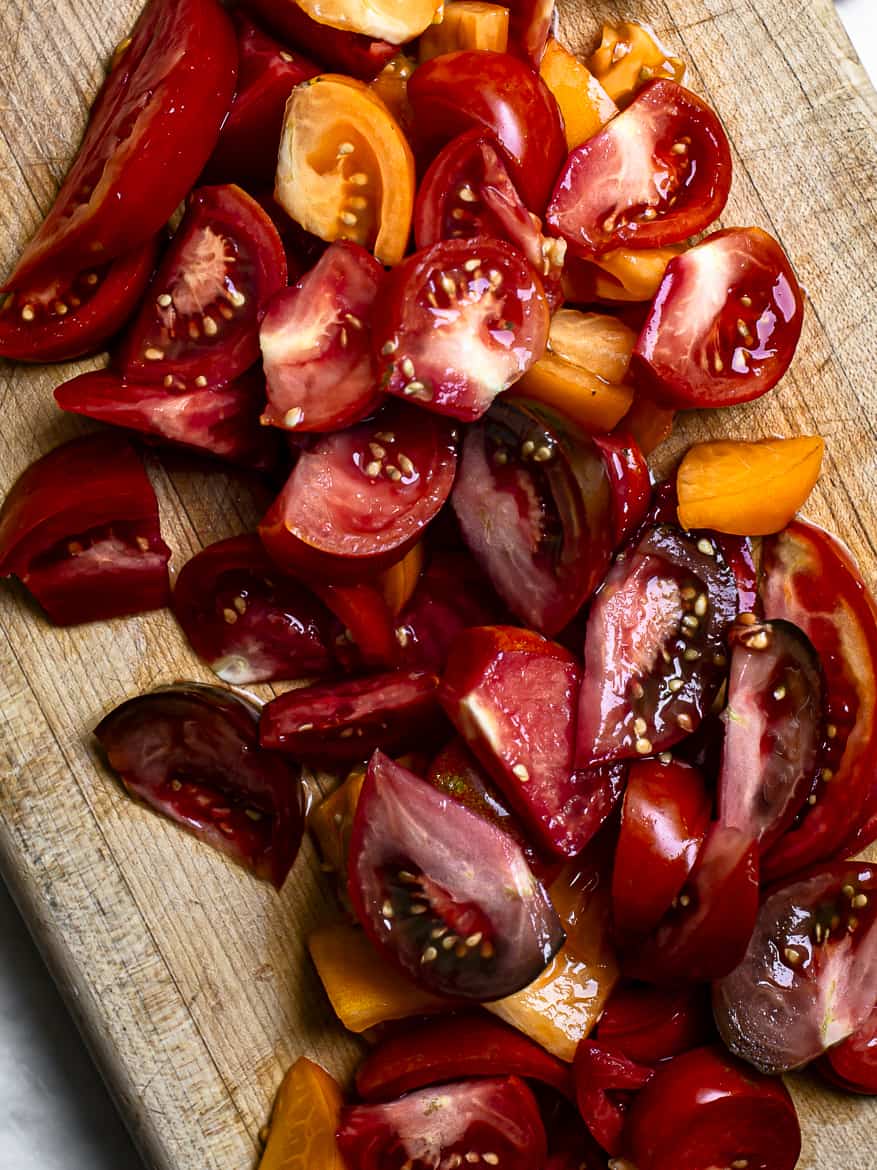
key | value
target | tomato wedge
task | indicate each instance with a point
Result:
(383, 19)
(152, 128)
(649, 1024)
(629, 480)
(80, 530)
(606, 1082)
(852, 1064)
(530, 27)
(360, 56)
(655, 175)
(367, 637)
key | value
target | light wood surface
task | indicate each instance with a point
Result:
(190, 980)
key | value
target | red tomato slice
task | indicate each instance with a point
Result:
(649, 1024)
(357, 500)
(724, 325)
(191, 753)
(316, 347)
(348, 52)
(656, 174)
(443, 1050)
(152, 128)
(810, 579)
(74, 317)
(664, 818)
(367, 637)
(808, 976)
(530, 26)
(221, 421)
(199, 324)
(80, 530)
(704, 1110)
(852, 1064)
(629, 479)
(458, 323)
(429, 1129)
(444, 893)
(502, 95)
(606, 1082)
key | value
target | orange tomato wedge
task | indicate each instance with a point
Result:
(391, 86)
(345, 170)
(639, 272)
(332, 820)
(649, 424)
(467, 24)
(398, 583)
(304, 1121)
(584, 103)
(629, 55)
(385, 20)
(747, 488)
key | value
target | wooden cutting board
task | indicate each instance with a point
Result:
(191, 981)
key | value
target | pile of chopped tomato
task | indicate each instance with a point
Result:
(608, 894)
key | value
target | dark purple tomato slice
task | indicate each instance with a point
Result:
(352, 53)
(606, 1082)
(316, 346)
(199, 324)
(217, 420)
(445, 894)
(852, 1064)
(430, 1129)
(650, 1024)
(80, 530)
(774, 728)
(458, 323)
(75, 316)
(246, 620)
(535, 508)
(655, 653)
(345, 721)
(191, 753)
(808, 976)
(357, 500)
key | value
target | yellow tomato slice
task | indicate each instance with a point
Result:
(649, 424)
(386, 20)
(629, 55)
(398, 583)
(468, 24)
(639, 273)
(304, 1121)
(332, 820)
(584, 103)
(391, 86)
(345, 169)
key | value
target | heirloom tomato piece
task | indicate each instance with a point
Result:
(624, 276)
(488, 1118)
(466, 24)
(74, 316)
(852, 1064)
(345, 170)
(705, 1109)
(357, 500)
(391, 86)
(650, 1024)
(348, 52)
(629, 479)
(382, 19)
(151, 130)
(199, 323)
(191, 753)
(80, 530)
(724, 325)
(530, 27)
(807, 979)
(304, 1120)
(367, 636)
(650, 425)
(606, 1082)
(655, 175)
(584, 104)
(444, 893)
(629, 56)
(458, 323)
(315, 344)
(503, 96)
(246, 620)
(399, 583)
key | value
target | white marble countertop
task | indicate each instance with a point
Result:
(56, 1112)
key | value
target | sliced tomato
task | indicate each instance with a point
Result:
(502, 95)
(704, 1109)
(74, 316)
(630, 55)
(80, 530)
(357, 500)
(445, 894)
(629, 479)
(655, 175)
(383, 19)
(345, 721)
(360, 56)
(606, 1082)
(852, 1064)
(530, 26)
(664, 819)
(316, 348)
(808, 976)
(191, 753)
(724, 325)
(458, 323)
(535, 507)
(650, 1024)
(774, 728)
(221, 421)
(811, 579)
(199, 324)
(655, 654)
(152, 128)
(248, 622)
(368, 636)
(466, 25)
(740, 554)
(429, 1129)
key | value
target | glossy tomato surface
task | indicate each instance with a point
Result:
(458, 323)
(649, 1024)
(606, 1081)
(443, 893)
(80, 530)
(152, 128)
(530, 25)
(367, 636)
(191, 753)
(852, 1064)
(629, 481)
(352, 53)
(724, 325)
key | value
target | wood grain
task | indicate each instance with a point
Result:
(190, 981)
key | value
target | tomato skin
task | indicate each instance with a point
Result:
(352, 53)
(107, 298)
(600, 1070)
(152, 128)
(852, 1064)
(530, 26)
(504, 96)
(92, 492)
(367, 636)
(629, 479)
(651, 1024)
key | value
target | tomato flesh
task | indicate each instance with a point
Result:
(852, 1064)
(650, 1024)
(349, 52)
(606, 1081)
